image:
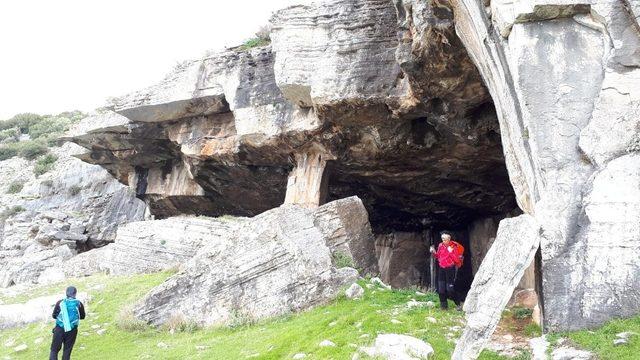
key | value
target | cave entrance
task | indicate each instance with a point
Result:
(423, 174)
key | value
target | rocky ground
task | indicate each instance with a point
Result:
(47, 219)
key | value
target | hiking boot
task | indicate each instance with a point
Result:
(459, 307)
(444, 307)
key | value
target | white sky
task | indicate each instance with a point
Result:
(72, 54)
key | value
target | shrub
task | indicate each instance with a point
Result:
(21, 121)
(74, 190)
(7, 152)
(44, 164)
(49, 125)
(15, 187)
(12, 211)
(31, 149)
(12, 133)
(521, 313)
(264, 33)
(178, 323)
(127, 322)
(341, 260)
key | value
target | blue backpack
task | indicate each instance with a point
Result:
(69, 316)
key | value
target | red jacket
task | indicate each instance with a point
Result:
(449, 255)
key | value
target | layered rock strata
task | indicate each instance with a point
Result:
(272, 264)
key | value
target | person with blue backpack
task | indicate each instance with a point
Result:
(68, 312)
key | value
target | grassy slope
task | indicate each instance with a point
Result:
(273, 339)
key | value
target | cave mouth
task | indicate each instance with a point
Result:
(434, 175)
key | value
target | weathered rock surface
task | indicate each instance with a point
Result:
(399, 347)
(271, 264)
(391, 131)
(562, 135)
(403, 258)
(70, 209)
(516, 243)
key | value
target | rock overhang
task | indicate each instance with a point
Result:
(406, 119)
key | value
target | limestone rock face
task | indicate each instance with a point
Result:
(403, 258)
(563, 136)
(271, 264)
(70, 209)
(343, 76)
(150, 246)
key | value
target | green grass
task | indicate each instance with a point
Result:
(255, 42)
(342, 321)
(600, 340)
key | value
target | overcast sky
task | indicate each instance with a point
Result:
(73, 54)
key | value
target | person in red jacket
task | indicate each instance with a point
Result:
(449, 256)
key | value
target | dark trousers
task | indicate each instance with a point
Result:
(59, 338)
(446, 283)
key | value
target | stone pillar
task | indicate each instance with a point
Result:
(308, 181)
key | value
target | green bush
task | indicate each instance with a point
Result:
(9, 133)
(7, 152)
(74, 190)
(31, 149)
(21, 121)
(521, 313)
(11, 211)
(49, 125)
(15, 187)
(44, 164)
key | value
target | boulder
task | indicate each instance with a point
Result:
(268, 265)
(399, 347)
(354, 291)
(515, 245)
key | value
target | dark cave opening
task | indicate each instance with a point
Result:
(434, 175)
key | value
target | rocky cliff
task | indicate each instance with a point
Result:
(70, 209)
(436, 114)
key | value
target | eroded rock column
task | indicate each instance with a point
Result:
(308, 181)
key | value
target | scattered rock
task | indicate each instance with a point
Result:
(326, 343)
(539, 347)
(431, 319)
(395, 321)
(38, 341)
(201, 347)
(354, 291)
(19, 348)
(299, 356)
(101, 331)
(618, 342)
(399, 347)
(378, 282)
(625, 335)
(414, 304)
(162, 345)
(569, 353)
